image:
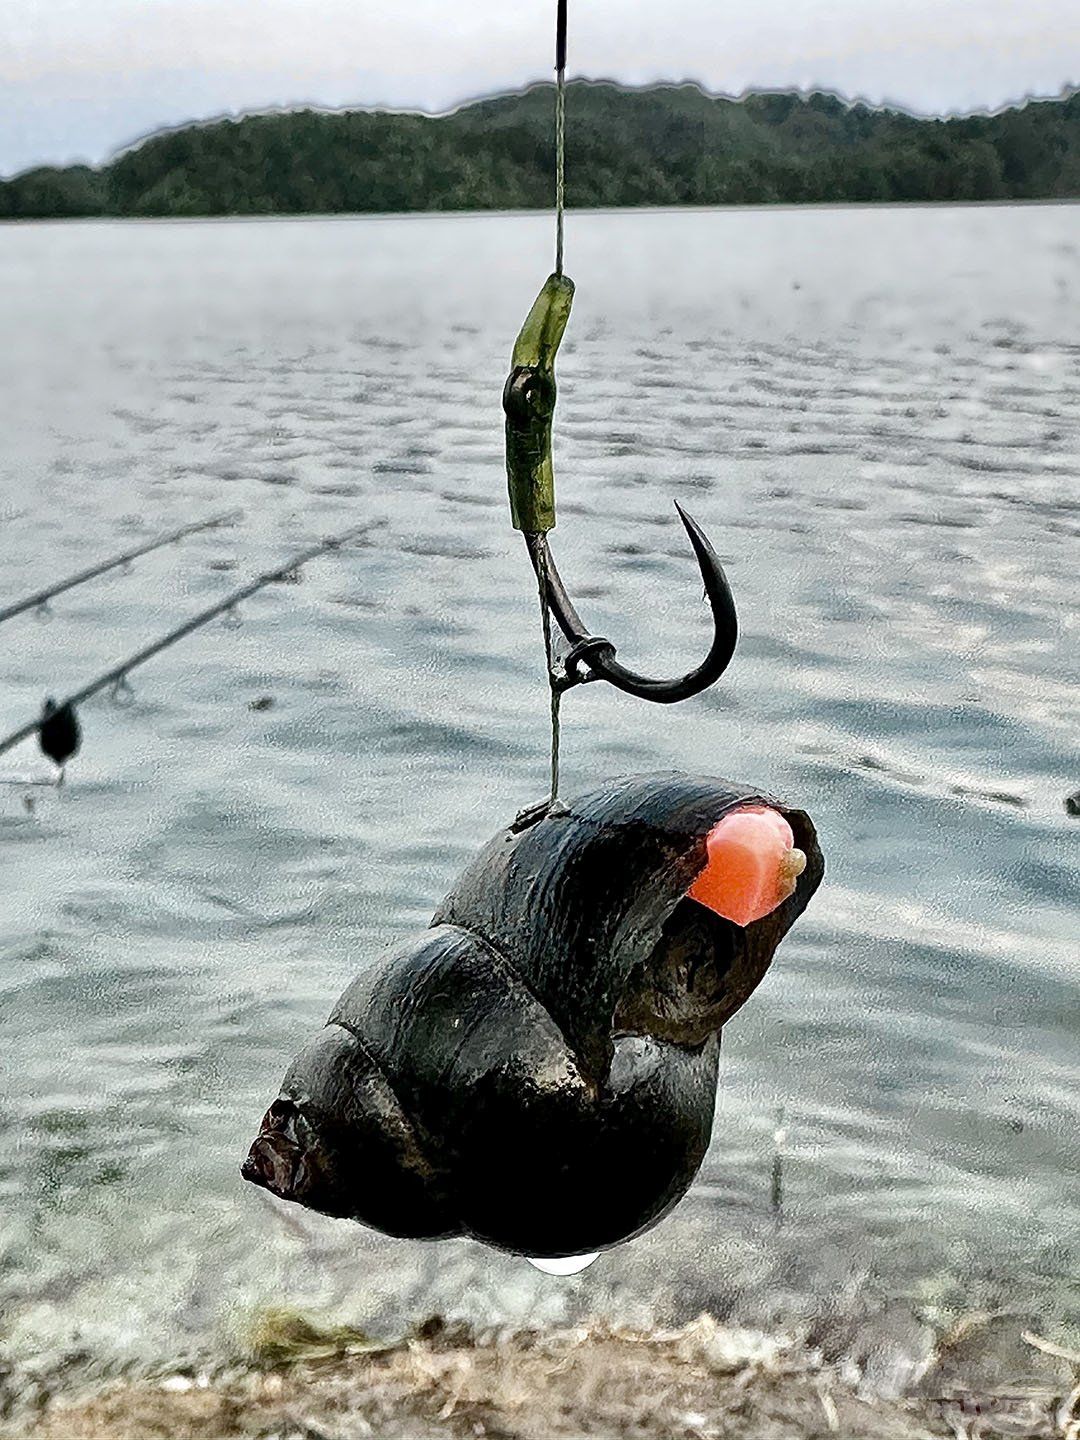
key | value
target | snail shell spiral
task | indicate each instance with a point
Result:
(538, 1069)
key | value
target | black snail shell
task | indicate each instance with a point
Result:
(538, 1069)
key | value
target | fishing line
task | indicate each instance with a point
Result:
(560, 206)
(554, 686)
(560, 131)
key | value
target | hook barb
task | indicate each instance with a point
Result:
(599, 654)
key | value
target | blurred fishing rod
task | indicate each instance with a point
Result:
(57, 727)
(40, 599)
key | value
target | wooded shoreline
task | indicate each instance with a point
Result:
(665, 145)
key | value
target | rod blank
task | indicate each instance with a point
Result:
(119, 673)
(41, 597)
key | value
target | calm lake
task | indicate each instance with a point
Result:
(874, 414)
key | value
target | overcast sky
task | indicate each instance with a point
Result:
(79, 78)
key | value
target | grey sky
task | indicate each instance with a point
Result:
(79, 78)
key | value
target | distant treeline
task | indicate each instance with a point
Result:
(664, 145)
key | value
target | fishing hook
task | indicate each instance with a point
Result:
(592, 657)
(529, 404)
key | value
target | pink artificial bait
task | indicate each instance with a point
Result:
(753, 865)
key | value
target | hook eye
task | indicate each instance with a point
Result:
(43, 612)
(232, 619)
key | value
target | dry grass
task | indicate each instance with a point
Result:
(703, 1382)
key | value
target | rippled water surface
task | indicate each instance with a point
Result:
(874, 414)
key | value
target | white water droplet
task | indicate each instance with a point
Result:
(563, 1264)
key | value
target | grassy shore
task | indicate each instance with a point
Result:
(703, 1382)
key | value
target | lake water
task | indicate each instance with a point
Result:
(874, 414)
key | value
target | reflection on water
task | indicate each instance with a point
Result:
(874, 415)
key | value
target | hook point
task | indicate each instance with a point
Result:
(698, 538)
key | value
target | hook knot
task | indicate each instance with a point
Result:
(576, 669)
